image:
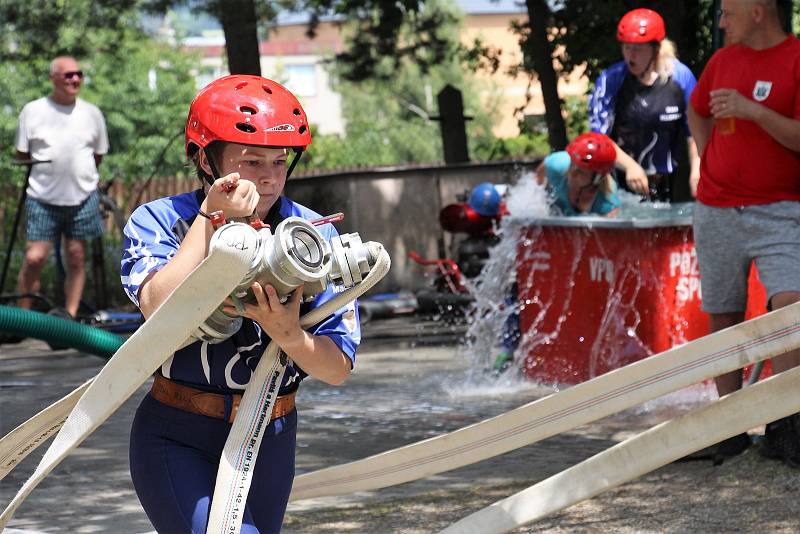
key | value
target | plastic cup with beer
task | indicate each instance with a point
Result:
(726, 125)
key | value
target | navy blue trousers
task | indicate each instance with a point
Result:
(174, 456)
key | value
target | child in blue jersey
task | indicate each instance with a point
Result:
(641, 103)
(579, 179)
(239, 133)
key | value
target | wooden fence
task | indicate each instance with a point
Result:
(397, 206)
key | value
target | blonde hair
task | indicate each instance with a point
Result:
(664, 64)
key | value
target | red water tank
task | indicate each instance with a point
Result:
(598, 294)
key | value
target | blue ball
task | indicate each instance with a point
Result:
(485, 200)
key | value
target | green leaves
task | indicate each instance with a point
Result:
(143, 87)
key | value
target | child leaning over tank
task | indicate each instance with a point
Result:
(579, 179)
(579, 182)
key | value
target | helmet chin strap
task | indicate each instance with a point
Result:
(655, 49)
(297, 153)
(214, 172)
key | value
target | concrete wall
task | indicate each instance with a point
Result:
(399, 207)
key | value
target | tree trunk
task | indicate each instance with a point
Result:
(541, 51)
(240, 24)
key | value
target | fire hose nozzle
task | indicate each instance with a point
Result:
(297, 254)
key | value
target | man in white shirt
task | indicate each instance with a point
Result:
(62, 197)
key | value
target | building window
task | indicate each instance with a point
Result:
(207, 74)
(301, 79)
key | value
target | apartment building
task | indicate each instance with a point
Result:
(291, 57)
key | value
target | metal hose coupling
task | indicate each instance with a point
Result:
(297, 254)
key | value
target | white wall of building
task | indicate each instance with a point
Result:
(303, 75)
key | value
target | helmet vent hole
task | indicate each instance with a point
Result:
(267, 89)
(247, 110)
(244, 127)
(302, 129)
(240, 85)
(296, 112)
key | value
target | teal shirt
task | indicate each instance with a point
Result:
(556, 166)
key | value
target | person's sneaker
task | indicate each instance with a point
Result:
(782, 441)
(502, 361)
(733, 446)
(719, 452)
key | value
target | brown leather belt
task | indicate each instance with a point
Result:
(209, 404)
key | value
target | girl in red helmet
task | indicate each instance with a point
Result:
(641, 103)
(244, 134)
(580, 178)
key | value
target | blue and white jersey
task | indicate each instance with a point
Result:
(152, 237)
(647, 122)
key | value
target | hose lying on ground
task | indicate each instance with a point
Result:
(57, 331)
(727, 350)
(769, 400)
(169, 326)
(166, 330)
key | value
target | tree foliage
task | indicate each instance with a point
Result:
(586, 31)
(42, 28)
(388, 115)
(141, 86)
(240, 20)
(378, 37)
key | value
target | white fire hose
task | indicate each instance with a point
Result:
(241, 448)
(238, 255)
(768, 400)
(24, 439)
(769, 335)
(763, 337)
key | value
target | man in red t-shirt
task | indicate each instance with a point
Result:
(744, 116)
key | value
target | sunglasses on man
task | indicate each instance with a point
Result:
(73, 73)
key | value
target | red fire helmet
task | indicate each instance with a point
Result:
(641, 26)
(246, 109)
(593, 151)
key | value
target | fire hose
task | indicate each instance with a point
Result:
(296, 254)
(766, 401)
(727, 350)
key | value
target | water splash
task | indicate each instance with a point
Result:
(632, 207)
(683, 399)
(492, 290)
(611, 344)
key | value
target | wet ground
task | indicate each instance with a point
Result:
(405, 389)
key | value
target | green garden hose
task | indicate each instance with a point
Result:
(58, 332)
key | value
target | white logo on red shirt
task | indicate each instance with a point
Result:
(761, 90)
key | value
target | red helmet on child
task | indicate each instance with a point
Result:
(593, 151)
(249, 110)
(641, 26)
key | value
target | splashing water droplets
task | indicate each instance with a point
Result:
(554, 298)
(494, 304)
